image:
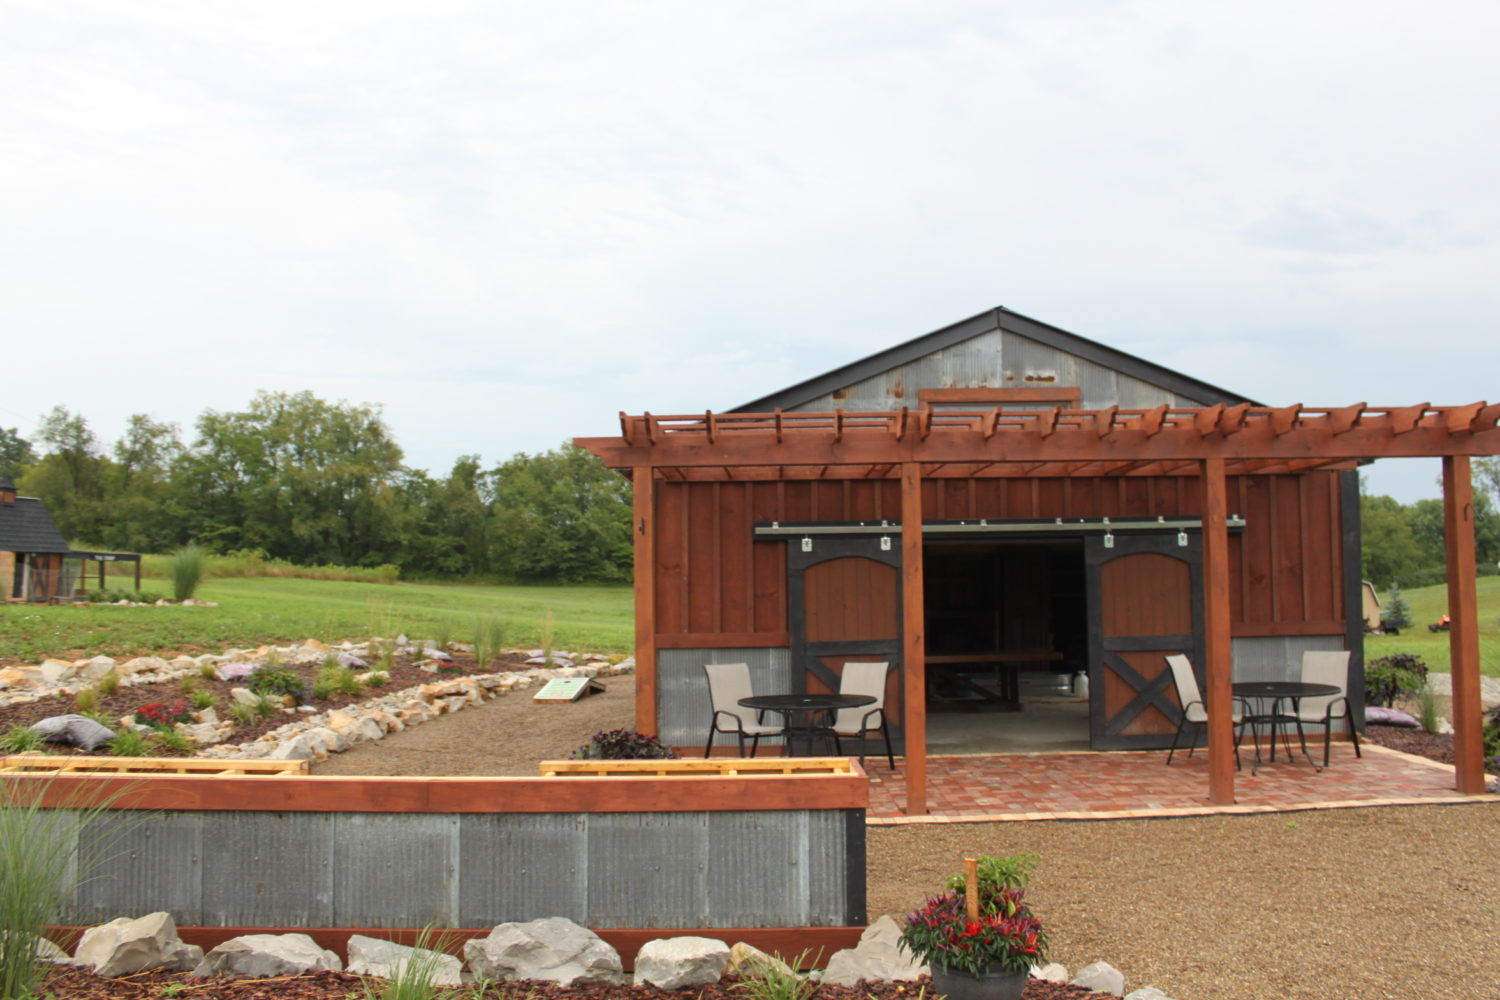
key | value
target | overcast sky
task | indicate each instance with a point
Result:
(507, 222)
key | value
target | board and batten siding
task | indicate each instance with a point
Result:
(718, 587)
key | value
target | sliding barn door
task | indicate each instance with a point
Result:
(844, 600)
(1145, 603)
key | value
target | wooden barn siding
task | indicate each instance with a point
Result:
(718, 587)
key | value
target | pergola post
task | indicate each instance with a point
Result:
(1217, 649)
(1463, 630)
(913, 640)
(643, 525)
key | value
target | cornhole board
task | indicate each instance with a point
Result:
(568, 689)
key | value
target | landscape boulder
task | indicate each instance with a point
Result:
(1052, 972)
(263, 955)
(673, 963)
(57, 671)
(552, 949)
(376, 957)
(1101, 977)
(1147, 993)
(95, 667)
(73, 730)
(877, 958)
(747, 961)
(124, 946)
(144, 665)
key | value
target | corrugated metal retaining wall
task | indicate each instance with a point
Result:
(711, 853)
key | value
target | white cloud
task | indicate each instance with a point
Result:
(507, 222)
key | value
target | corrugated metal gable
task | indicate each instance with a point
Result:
(997, 349)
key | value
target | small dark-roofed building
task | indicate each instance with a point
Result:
(32, 550)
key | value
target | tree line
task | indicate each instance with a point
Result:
(313, 482)
(1403, 544)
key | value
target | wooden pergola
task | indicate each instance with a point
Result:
(1209, 443)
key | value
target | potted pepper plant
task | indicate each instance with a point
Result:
(986, 955)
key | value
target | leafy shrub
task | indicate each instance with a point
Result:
(272, 680)
(1492, 739)
(1006, 936)
(189, 563)
(115, 595)
(623, 744)
(162, 715)
(1389, 677)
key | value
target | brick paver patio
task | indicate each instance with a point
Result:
(1123, 784)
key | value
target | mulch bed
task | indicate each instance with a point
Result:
(126, 700)
(74, 984)
(1435, 746)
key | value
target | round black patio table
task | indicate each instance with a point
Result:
(1276, 692)
(807, 715)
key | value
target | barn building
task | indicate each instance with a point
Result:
(1002, 505)
(32, 551)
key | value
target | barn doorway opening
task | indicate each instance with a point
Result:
(1007, 645)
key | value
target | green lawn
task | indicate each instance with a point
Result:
(1428, 604)
(265, 609)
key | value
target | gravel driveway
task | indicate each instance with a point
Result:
(1371, 904)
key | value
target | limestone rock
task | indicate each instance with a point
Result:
(124, 946)
(74, 730)
(1052, 972)
(96, 667)
(57, 671)
(552, 949)
(50, 953)
(1101, 977)
(375, 957)
(144, 665)
(746, 960)
(243, 696)
(262, 955)
(15, 677)
(877, 958)
(672, 963)
(303, 746)
(1147, 993)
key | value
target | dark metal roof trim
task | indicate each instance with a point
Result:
(25, 526)
(998, 318)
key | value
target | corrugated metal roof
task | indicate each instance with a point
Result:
(995, 349)
(25, 526)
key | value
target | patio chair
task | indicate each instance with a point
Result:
(1328, 667)
(727, 684)
(1194, 711)
(856, 723)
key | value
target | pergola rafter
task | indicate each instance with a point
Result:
(1209, 443)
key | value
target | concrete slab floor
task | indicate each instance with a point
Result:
(1043, 725)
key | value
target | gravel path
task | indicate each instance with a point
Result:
(1355, 903)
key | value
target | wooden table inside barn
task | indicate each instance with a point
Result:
(1007, 665)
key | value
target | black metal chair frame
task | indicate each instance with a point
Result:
(1327, 724)
(1202, 727)
(865, 727)
(737, 732)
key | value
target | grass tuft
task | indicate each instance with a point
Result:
(189, 564)
(414, 979)
(21, 739)
(129, 743)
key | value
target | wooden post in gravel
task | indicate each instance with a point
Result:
(1217, 650)
(971, 886)
(1463, 633)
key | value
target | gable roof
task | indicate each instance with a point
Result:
(25, 526)
(1004, 321)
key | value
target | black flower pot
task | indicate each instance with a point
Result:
(991, 984)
